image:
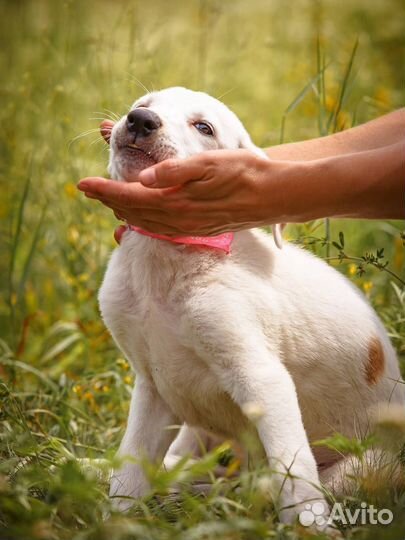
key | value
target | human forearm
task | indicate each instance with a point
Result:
(383, 131)
(359, 173)
(368, 184)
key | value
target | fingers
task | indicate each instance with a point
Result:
(120, 194)
(172, 172)
(105, 130)
(200, 167)
(92, 184)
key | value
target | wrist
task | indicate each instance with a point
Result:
(327, 187)
(288, 192)
(300, 191)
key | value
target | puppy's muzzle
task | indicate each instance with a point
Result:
(142, 122)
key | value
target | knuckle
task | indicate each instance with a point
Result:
(205, 161)
(170, 165)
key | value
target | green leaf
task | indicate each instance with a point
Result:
(344, 445)
(61, 346)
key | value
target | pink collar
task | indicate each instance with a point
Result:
(221, 241)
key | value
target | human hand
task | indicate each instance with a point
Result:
(221, 191)
(206, 194)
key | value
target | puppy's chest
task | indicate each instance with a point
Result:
(149, 331)
(141, 319)
(142, 301)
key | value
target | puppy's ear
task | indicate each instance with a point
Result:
(247, 143)
(105, 130)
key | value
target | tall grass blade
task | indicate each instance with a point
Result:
(15, 241)
(30, 256)
(334, 116)
(296, 101)
(18, 364)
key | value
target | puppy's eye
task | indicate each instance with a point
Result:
(204, 127)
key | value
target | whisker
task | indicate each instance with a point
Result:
(138, 82)
(86, 133)
(227, 92)
(90, 130)
(102, 119)
(98, 140)
(113, 114)
(83, 134)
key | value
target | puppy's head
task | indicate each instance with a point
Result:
(172, 123)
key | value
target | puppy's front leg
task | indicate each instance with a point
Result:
(263, 380)
(230, 340)
(146, 436)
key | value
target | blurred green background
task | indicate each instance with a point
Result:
(66, 65)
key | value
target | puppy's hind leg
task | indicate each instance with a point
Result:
(352, 474)
(193, 443)
(190, 442)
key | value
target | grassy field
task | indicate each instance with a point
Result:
(64, 387)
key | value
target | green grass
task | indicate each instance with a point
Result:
(287, 71)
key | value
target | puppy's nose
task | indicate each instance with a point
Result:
(143, 122)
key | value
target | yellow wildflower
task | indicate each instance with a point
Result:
(367, 286)
(382, 95)
(123, 364)
(233, 467)
(77, 389)
(70, 190)
(352, 269)
(73, 235)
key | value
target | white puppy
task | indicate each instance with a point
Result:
(209, 333)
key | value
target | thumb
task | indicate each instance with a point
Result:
(171, 172)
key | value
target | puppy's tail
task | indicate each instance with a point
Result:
(277, 235)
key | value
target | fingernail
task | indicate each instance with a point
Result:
(148, 177)
(82, 185)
